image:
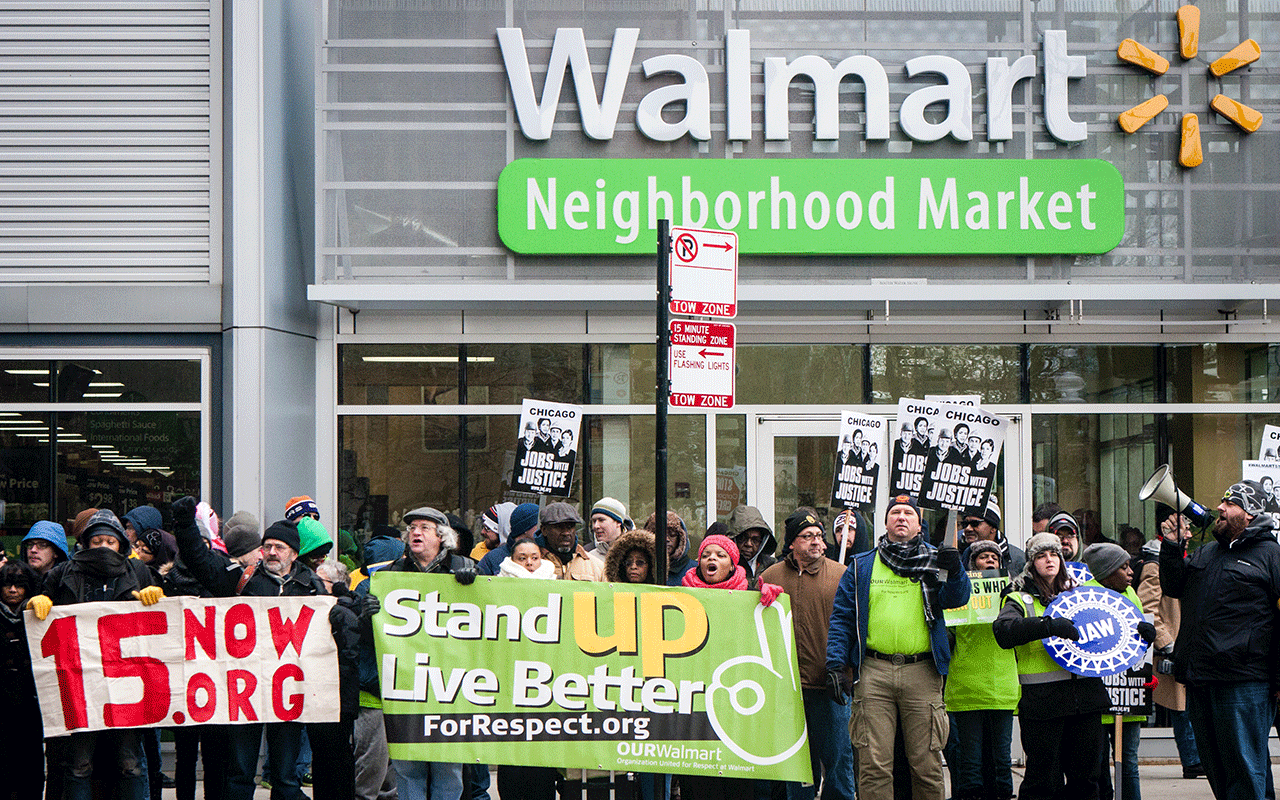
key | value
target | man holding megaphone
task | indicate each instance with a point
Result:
(1228, 650)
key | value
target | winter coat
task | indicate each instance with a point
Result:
(812, 590)
(17, 686)
(1168, 619)
(1069, 696)
(493, 559)
(847, 639)
(641, 540)
(445, 563)
(379, 552)
(680, 562)
(1229, 590)
(221, 576)
(344, 620)
(580, 567)
(743, 519)
(93, 577)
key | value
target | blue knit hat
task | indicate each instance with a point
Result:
(51, 532)
(524, 518)
(144, 518)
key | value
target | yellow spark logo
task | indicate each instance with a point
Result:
(1190, 153)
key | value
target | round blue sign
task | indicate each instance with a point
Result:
(1108, 624)
(1079, 571)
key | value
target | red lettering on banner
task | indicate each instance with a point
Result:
(285, 632)
(198, 712)
(240, 615)
(62, 641)
(194, 632)
(293, 710)
(152, 672)
(240, 686)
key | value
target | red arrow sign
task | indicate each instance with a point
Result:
(725, 246)
(705, 353)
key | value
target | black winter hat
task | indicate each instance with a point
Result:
(103, 521)
(284, 531)
(800, 519)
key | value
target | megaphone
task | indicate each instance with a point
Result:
(1162, 488)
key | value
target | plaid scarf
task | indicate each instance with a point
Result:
(914, 559)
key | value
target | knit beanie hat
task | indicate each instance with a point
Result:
(614, 509)
(1104, 558)
(241, 534)
(300, 506)
(1248, 495)
(103, 521)
(1040, 543)
(81, 520)
(524, 519)
(902, 500)
(313, 539)
(162, 544)
(724, 542)
(992, 515)
(284, 531)
(978, 548)
(800, 519)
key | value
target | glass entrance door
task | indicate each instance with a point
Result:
(795, 458)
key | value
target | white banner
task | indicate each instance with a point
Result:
(185, 661)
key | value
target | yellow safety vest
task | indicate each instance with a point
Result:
(1035, 665)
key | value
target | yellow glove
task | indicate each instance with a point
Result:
(40, 604)
(150, 595)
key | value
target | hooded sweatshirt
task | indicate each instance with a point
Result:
(743, 519)
(51, 532)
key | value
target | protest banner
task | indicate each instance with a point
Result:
(1266, 473)
(630, 678)
(911, 447)
(862, 440)
(960, 462)
(1269, 447)
(184, 661)
(547, 448)
(984, 599)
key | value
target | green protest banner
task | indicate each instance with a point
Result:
(630, 678)
(984, 599)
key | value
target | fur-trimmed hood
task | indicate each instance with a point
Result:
(641, 540)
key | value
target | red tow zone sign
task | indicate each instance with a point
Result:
(704, 273)
(701, 364)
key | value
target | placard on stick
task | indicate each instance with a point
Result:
(547, 449)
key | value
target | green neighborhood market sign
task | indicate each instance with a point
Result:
(914, 206)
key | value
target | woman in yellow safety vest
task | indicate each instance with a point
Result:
(1060, 712)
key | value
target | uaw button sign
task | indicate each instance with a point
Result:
(1108, 624)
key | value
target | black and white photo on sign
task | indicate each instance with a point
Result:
(1269, 447)
(862, 440)
(910, 448)
(1266, 473)
(547, 449)
(961, 455)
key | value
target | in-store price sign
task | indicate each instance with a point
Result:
(704, 273)
(701, 364)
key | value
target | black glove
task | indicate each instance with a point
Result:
(465, 575)
(1147, 631)
(836, 687)
(1063, 628)
(949, 559)
(372, 605)
(184, 512)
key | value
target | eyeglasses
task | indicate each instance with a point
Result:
(809, 537)
(421, 527)
(1066, 533)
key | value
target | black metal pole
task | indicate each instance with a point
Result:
(660, 406)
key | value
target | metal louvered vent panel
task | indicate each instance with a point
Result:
(109, 159)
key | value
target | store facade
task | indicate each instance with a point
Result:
(931, 198)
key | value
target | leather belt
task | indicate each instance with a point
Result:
(898, 659)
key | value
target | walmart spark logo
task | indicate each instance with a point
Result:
(1190, 153)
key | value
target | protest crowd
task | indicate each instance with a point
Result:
(888, 688)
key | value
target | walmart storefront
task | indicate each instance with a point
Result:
(931, 198)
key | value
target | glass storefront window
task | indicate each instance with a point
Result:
(398, 374)
(100, 381)
(1223, 373)
(26, 482)
(992, 371)
(817, 374)
(506, 374)
(1092, 374)
(623, 374)
(622, 464)
(731, 463)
